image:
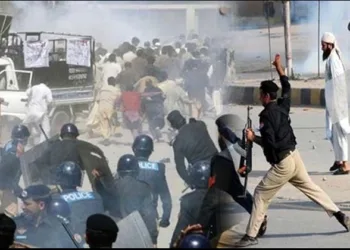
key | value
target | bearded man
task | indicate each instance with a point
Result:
(337, 116)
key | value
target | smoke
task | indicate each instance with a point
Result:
(104, 22)
(334, 17)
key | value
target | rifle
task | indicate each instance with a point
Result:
(245, 164)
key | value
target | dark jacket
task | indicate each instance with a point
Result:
(139, 65)
(49, 234)
(277, 136)
(153, 173)
(153, 102)
(134, 195)
(194, 144)
(190, 205)
(10, 167)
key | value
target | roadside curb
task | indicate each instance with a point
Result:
(249, 95)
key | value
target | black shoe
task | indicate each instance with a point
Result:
(341, 171)
(335, 166)
(263, 227)
(343, 219)
(246, 241)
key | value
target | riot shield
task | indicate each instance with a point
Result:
(92, 157)
(31, 175)
(133, 233)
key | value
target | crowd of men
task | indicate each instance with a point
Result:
(57, 213)
(148, 82)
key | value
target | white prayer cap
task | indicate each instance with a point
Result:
(328, 37)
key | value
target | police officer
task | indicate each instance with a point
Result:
(59, 151)
(10, 168)
(279, 146)
(192, 142)
(153, 173)
(134, 195)
(82, 203)
(101, 231)
(198, 174)
(35, 226)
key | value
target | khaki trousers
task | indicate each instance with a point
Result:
(291, 170)
(196, 109)
(106, 128)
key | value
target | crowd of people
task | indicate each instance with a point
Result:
(148, 82)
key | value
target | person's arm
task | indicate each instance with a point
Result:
(285, 100)
(165, 196)
(267, 132)
(180, 163)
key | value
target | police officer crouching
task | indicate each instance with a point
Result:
(153, 173)
(59, 151)
(35, 226)
(82, 204)
(191, 203)
(10, 169)
(134, 195)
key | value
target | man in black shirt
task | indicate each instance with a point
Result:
(192, 142)
(278, 143)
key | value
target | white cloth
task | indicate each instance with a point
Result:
(110, 69)
(339, 142)
(78, 52)
(129, 56)
(336, 93)
(39, 97)
(328, 37)
(36, 54)
(217, 101)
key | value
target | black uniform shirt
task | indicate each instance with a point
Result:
(153, 173)
(49, 234)
(194, 144)
(277, 135)
(134, 195)
(189, 210)
(82, 205)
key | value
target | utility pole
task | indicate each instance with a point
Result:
(287, 38)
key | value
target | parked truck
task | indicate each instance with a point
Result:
(72, 86)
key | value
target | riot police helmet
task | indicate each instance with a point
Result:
(69, 175)
(199, 174)
(195, 240)
(60, 209)
(69, 130)
(143, 146)
(20, 132)
(128, 165)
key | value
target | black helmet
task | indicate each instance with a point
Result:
(143, 145)
(68, 174)
(195, 240)
(199, 174)
(128, 165)
(59, 208)
(20, 132)
(69, 129)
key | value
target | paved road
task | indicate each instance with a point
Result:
(296, 222)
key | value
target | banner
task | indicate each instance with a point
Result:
(78, 52)
(36, 54)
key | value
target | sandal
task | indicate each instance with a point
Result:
(335, 166)
(341, 171)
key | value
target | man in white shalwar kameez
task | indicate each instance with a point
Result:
(337, 116)
(110, 69)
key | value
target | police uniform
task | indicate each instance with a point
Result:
(82, 205)
(192, 143)
(279, 147)
(190, 205)
(49, 233)
(10, 173)
(153, 173)
(135, 195)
